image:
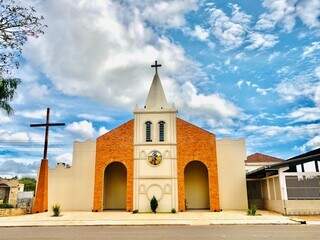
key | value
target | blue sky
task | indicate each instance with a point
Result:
(241, 69)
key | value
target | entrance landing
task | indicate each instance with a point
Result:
(126, 218)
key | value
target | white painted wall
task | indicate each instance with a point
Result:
(231, 155)
(72, 187)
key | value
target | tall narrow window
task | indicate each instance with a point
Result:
(148, 131)
(161, 131)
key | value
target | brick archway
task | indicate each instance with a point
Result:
(196, 144)
(114, 146)
(115, 186)
(196, 185)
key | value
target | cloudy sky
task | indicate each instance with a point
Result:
(241, 69)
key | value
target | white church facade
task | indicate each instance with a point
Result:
(154, 154)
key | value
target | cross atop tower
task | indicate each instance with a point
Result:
(156, 65)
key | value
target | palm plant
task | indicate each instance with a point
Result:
(7, 91)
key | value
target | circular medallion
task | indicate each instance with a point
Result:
(154, 158)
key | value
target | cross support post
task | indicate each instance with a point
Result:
(40, 203)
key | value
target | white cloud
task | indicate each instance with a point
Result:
(4, 118)
(279, 12)
(30, 89)
(234, 30)
(102, 131)
(212, 107)
(107, 55)
(20, 136)
(273, 55)
(263, 91)
(104, 54)
(230, 31)
(200, 33)
(33, 114)
(317, 72)
(83, 129)
(309, 12)
(11, 168)
(166, 13)
(313, 143)
(297, 87)
(64, 157)
(309, 50)
(13, 136)
(94, 117)
(283, 13)
(239, 83)
(305, 114)
(261, 40)
(281, 133)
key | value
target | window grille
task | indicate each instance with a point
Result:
(161, 131)
(148, 131)
(307, 188)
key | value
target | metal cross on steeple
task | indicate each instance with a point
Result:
(47, 125)
(156, 65)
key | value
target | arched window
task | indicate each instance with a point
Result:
(161, 131)
(148, 131)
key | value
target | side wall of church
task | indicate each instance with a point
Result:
(196, 144)
(232, 175)
(114, 146)
(72, 187)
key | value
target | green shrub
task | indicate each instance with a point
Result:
(135, 211)
(56, 210)
(252, 210)
(154, 204)
(173, 210)
(6, 205)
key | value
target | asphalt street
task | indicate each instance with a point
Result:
(230, 232)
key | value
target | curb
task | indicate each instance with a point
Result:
(298, 220)
(148, 224)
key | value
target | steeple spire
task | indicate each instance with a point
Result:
(156, 99)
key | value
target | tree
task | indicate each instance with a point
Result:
(17, 23)
(29, 183)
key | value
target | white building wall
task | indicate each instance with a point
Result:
(159, 181)
(231, 156)
(72, 187)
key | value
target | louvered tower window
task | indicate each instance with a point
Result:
(161, 131)
(148, 131)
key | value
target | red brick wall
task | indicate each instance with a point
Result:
(114, 146)
(194, 143)
(40, 203)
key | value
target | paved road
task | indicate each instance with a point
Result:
(215, 232)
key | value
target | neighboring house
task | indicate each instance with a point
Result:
(9, 189)
(291, 187)
(257, 160)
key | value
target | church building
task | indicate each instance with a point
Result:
(158, 154)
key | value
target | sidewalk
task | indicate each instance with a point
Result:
(125, 218)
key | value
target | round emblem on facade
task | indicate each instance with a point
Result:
(154, 158)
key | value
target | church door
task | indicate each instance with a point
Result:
(196, 186)
(115, 187)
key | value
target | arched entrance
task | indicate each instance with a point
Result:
(4, 193)
(115, 187)
(196, 186)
